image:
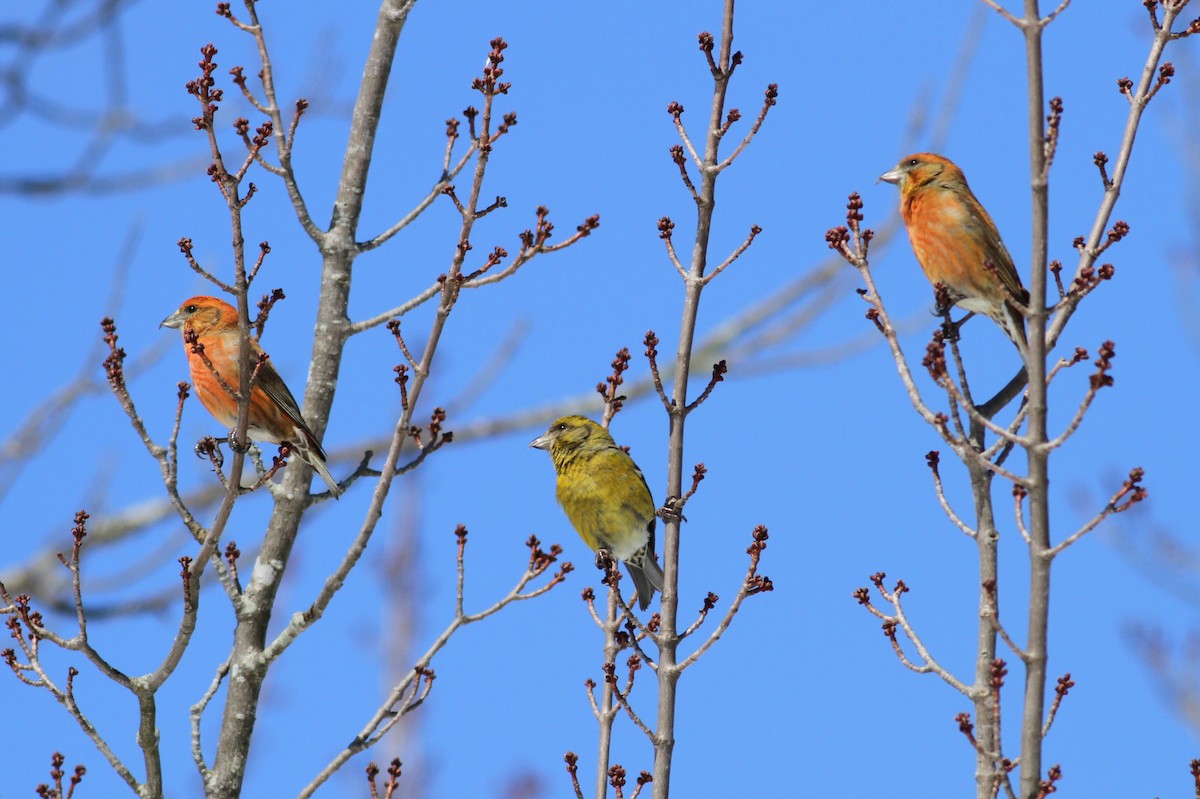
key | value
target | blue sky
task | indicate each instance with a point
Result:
(802, 696)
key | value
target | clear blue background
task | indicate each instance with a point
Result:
(802, 697)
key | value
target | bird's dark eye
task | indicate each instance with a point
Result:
(561, 427)
(190, 309)
(913, 162)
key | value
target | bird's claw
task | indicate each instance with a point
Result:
(236, 444)
(604, 560)
(671, 510)
(950, 328)
(209, 448)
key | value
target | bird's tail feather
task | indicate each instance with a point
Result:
(647, 578)
(317, 462)
(1013, 325)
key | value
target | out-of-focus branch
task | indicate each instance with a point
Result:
(114, 125)
(37, 430)
(115, 122)
(1173, 666)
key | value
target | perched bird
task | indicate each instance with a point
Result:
(606, 498)
(954, 239)
(274, 412)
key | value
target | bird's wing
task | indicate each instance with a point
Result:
(997, 254)
(650, 495)
(277, 392)
(994, 251)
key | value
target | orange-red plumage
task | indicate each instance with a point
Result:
(274, 412)
(955, 240)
